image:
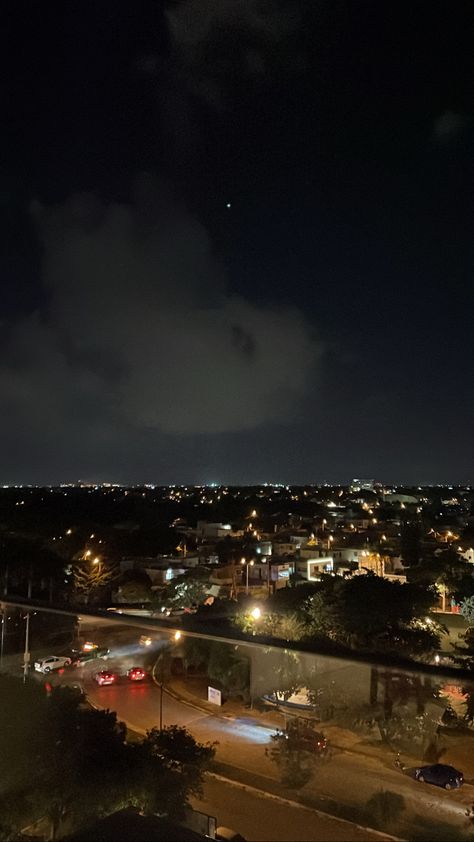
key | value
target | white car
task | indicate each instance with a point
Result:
(52, 662)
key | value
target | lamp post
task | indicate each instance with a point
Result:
(2, 643)
(247, 565)
(26, 656)
(175, 638)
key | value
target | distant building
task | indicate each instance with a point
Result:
(362, 485)
(467, 555)
(209, 531)
(312, 568)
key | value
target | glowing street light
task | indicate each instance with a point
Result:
(256, 613)
(247, 565)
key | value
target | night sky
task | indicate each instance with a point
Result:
(238, 241)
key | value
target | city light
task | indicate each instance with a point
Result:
(177, 635)
(256, 613)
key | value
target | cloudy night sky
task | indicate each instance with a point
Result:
(237, 241)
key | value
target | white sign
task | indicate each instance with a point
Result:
(214, 696)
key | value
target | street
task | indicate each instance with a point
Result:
(349, 778)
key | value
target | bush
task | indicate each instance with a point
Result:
(384, 809)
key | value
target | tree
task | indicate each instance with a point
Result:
(447, 569)
(410, 543)
(76, 765)
(296, 760)
(169, 767)
(196, 652)
(229, 669)
(465, 660)
(91, 576)
(372, 613)
(467, 609)
(384, 808)
(23, 714)
(189, 589)
(136, 588)
(81, 760)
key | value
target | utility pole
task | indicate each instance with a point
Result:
(161, 692)
(26, 659)
(2, 642)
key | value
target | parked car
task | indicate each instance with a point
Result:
(136, 674)
(52, 662)
(105, 677)
(95, 654)
(440, 775)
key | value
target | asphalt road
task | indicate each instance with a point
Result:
(261, 818)
(348, 778)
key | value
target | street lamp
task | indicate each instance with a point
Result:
(247, 565)
(2, 643)
(175, 638)
(256, 613)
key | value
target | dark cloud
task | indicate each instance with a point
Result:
(448, 124)
(141, 333)
(219, 42)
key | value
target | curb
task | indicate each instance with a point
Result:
(290, 803)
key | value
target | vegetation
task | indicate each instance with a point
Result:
(372, 613)
(67, 764)
(224, 665)
(385, 808)
(364, 612)
(188, 590)
(467, 609)
(90, 578)
(296, 760)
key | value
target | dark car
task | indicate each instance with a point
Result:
(105, 677)
(136, 674)
(304, 739)
(440, 775)
(85, 657)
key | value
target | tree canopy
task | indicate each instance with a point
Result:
(373, 613)
(72, 763)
